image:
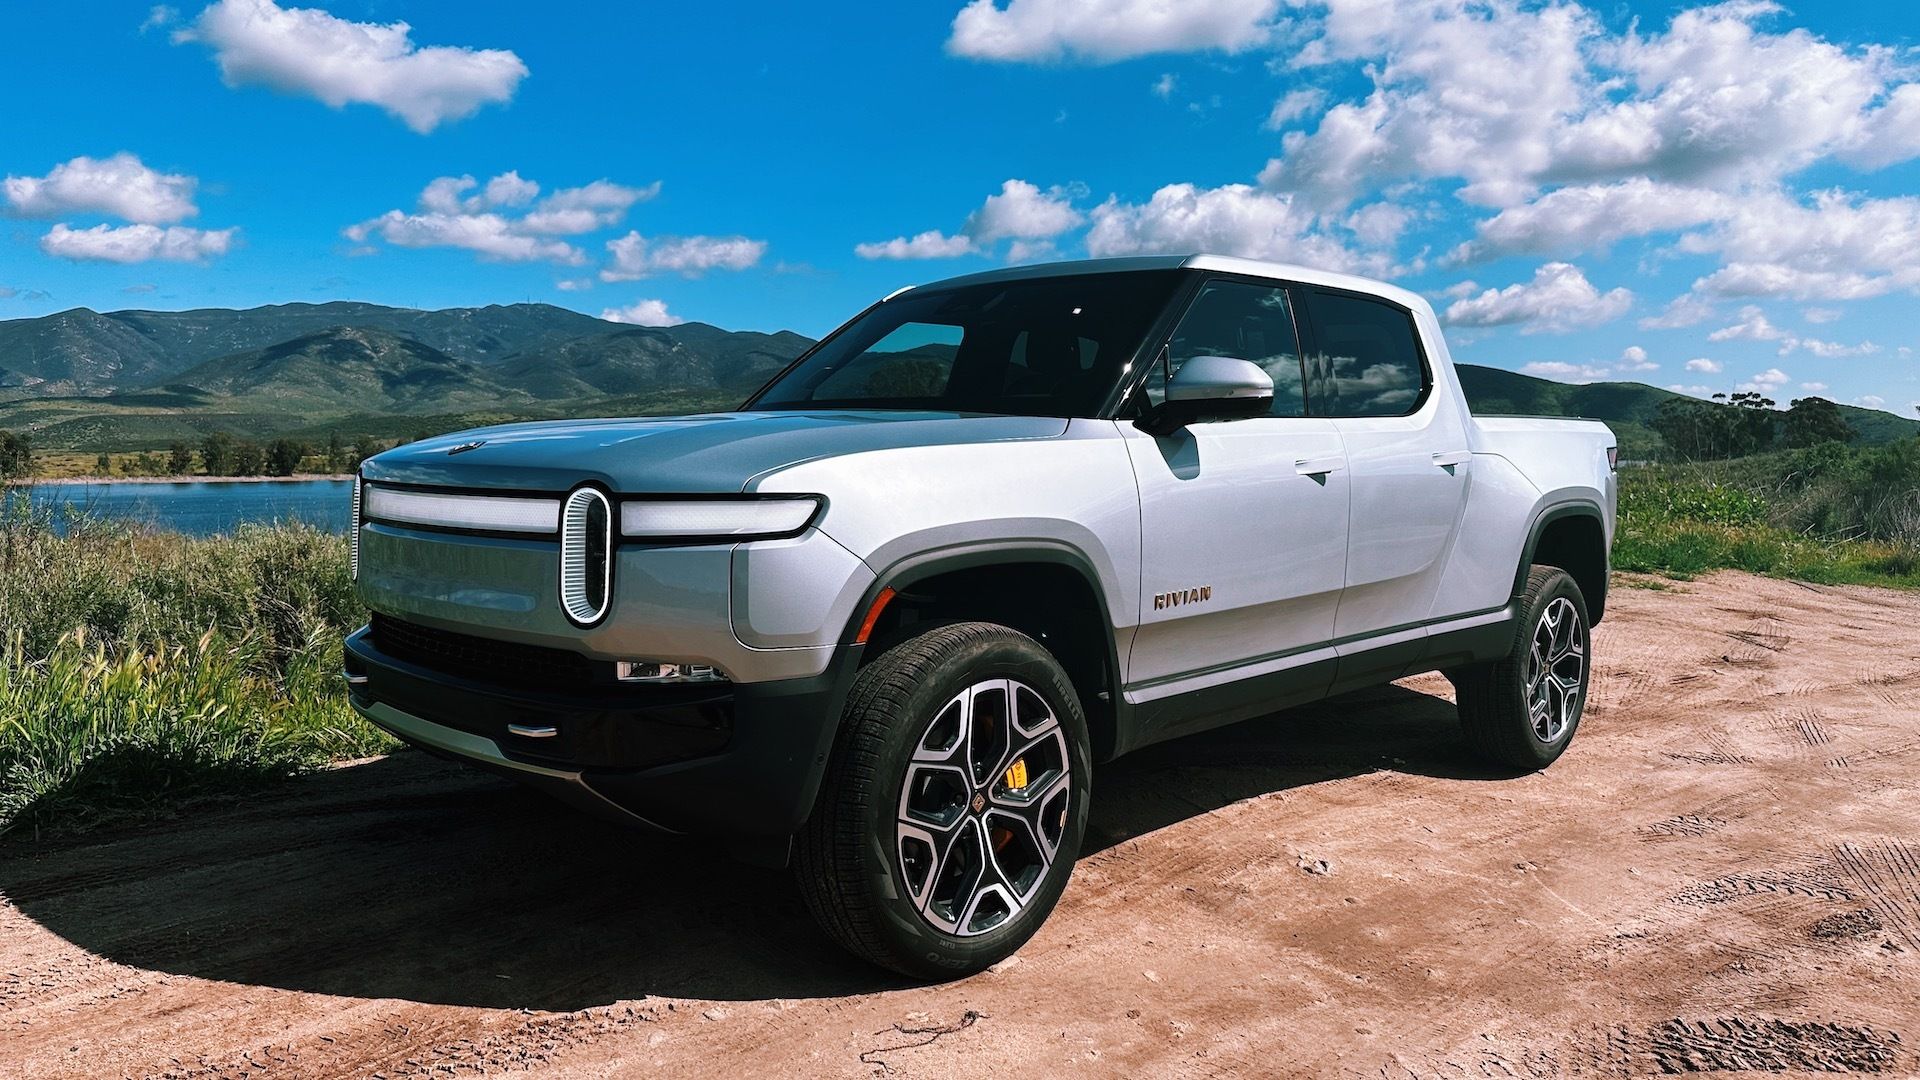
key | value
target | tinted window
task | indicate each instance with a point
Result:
(1366, 359)
(1247, 322)
(1047, 346)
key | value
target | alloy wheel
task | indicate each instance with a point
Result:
(983, 807)
(1556, 670)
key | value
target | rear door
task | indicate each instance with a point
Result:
(1407, 456)
(1243, 522)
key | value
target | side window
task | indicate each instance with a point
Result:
(914, 361)
(1248, 322)
(1366, 359)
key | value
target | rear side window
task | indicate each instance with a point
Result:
(1244, 321)
(1366, 357)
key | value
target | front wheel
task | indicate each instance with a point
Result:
(1523, 709)
(953, 807)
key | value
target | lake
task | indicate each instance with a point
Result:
(201, 509)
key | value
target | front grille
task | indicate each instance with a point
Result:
(503, 663)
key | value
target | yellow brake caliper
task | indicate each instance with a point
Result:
(1017, 775)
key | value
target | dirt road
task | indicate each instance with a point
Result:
(1723, 873)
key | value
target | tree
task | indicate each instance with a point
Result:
(216, 454)
(1695, 430)
(249, 459)
(180, 459)
(336, 453)
(284, 456)
(16, 456)
(103, 465)
(1815, 420)
(364, 447)
(1754, 417)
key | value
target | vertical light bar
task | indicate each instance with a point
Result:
(353, 535)
(586, 556)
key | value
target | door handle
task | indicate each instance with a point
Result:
(1451, 459)
(1318, 468)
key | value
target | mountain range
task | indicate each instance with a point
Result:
(131, 380)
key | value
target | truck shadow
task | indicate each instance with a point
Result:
(414, 879)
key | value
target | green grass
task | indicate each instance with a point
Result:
(144, 670)
(1832, 515)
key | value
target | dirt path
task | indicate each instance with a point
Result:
(1724, 873)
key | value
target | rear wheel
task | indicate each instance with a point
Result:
(953, 806)
(1523, 709)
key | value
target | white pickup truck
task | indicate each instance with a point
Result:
(888, 616)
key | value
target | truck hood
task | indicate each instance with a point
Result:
(716, 452)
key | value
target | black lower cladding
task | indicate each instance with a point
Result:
(735, 758)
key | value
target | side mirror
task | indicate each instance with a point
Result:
(1210, 388)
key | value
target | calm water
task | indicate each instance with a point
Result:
(203, 509)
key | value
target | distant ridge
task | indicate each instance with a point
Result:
(130, 380)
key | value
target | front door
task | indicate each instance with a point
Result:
(1243, 522)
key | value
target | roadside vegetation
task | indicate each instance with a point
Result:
(143, 669)
(1826, 513)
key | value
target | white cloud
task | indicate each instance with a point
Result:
(1765, 382)
(1696, 391)
(1591, 218)
(1870, 401)
(1293, 105)
(1837, 247)
(1704, 365)
(1684, 310)
(1753, 326)
(1715, 100)
(571, 211)
(1564, 372)
(643, 313)
(137, 243)
(1814, 387)
(1236, 219)
(158, 16)
(635, 256)
(307, 51)
(574, 284)
(1820, 314)
(1833, 350)
(119, 186)
(1634, 358)
(505, 219)
(1559, 298)
(1379, 224)
(1023, 211)
(1164, 86)
(1107, 30)
(932, 244)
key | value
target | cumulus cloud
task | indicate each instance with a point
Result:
(1236, 219)
(1023, 211)
(1717, 99)
(118, 186)
(310, 52)
(643, 313)
(932, 244)
(1592, 217)
(1754, 326)
(137, 243)
(636, 256)
(1765, 382)
(1704, 365)
(1559, 298)
(1293, 105)
(1020, 212)
(1561, 371)
(1634, 358)
(1815, 387)
(504, 219)
(1107, 30)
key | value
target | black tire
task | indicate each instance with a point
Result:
(849, 856)
(1495, 700)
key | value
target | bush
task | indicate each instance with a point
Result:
(141, 668)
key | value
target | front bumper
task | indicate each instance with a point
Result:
(744, 760)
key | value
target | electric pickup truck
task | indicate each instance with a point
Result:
(883, 622)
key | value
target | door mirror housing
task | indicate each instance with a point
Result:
(1210, 388)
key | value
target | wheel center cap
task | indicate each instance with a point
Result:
(979, 802)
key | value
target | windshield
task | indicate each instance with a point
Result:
(1053, 346)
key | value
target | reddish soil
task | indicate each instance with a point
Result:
(1723, 874)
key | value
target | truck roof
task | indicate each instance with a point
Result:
(1226, 264)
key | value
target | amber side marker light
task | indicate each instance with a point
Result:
(873, 616)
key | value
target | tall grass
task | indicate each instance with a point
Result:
(1829, 514)
(140, 669)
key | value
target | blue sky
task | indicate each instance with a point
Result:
(1707, 197)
